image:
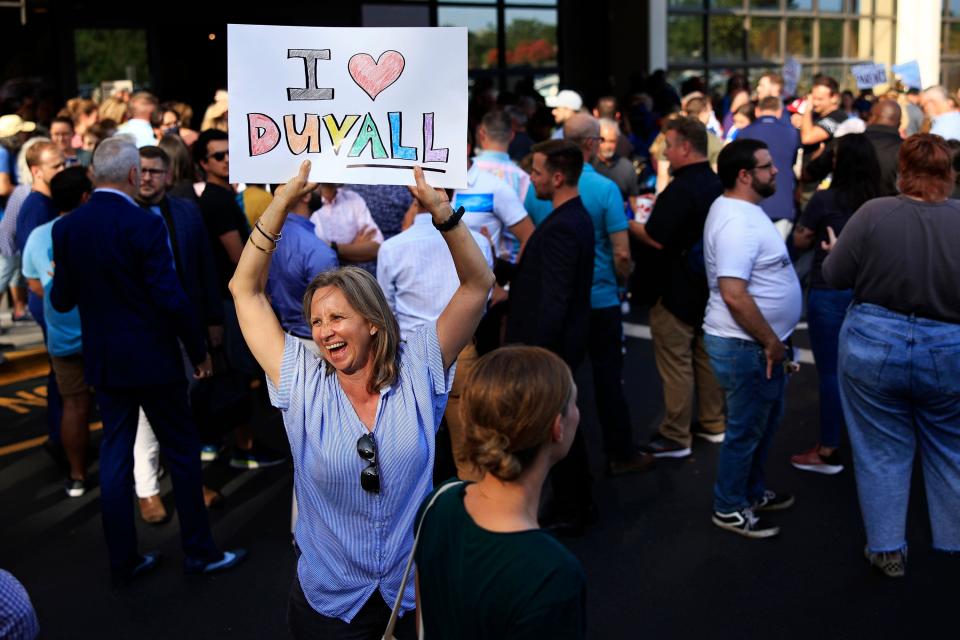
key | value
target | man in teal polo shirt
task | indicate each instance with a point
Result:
(601, 198)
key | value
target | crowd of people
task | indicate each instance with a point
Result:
(412, 333)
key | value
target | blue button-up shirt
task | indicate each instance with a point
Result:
(299, 257)
(353, 542)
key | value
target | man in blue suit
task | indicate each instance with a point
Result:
(113, 260)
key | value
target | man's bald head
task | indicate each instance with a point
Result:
(885, 112)
(584, 130)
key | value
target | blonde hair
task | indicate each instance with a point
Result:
(113, 109)
(366, 297)
(511, 399)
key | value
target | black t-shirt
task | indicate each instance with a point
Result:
(676, 222)
(829, 123)
(481, 585)
(823, 211)
(222, 214)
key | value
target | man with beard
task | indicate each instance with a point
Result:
(753, 308)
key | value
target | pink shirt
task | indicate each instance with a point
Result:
(342, 219)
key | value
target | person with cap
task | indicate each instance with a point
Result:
(564, 105)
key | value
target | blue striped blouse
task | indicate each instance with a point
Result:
(354, 542)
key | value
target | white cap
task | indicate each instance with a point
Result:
(566, 98)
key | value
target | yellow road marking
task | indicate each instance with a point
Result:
(36, 442)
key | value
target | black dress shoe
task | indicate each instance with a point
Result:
(147, 563)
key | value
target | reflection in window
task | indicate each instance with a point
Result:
(726, 38)
(800, 5)
(765, 4)
(831, 6)
(800, 37)
(531, 36)
(831, 38)
(953, 38)
(764, 39)
(111, 54)
(685, 37)
(481, 26)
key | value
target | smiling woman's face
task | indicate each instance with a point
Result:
(343, 335)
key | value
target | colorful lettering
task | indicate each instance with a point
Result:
(264, 134)
(369, 134)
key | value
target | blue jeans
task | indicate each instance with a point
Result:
(754, 410)
(900, 386)
(826, 309)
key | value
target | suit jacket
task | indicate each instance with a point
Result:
(114, 262)
(198, 274)
(550, 291)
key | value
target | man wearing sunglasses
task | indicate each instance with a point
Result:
(228, 231)
(753, 308)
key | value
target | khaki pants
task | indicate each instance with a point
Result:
(455, 425)
(683, 364)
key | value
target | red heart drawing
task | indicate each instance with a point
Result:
(374, 77)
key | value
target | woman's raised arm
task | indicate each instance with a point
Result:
(259, 324)
(459, 320)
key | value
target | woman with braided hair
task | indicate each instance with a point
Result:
(484, 567)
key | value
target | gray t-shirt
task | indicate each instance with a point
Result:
(901, 254)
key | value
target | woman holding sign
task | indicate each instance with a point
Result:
(361, 419)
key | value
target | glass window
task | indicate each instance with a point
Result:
(764, 39)
(953, 8)
(841, 74)
(543, 2)
(950, 74)
(953, 38)
(685, 37)
(726, 4)
(765, 4)
(799, 5)
(800, 37)
(831, 6)
(481, 23)
(111, 54)
(686, 4)
(726, 38)
(831, 38)
(531, 37)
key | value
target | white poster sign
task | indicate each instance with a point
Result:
(363, 104)
(869, 75)
(909, 73)
(791, 76)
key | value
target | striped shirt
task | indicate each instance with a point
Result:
(417, 274)
(354, 543)
(8, 225)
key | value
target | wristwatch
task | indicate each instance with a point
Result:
(452, 221)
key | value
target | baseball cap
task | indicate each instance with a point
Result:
(797, 106)
(12, 124)
(566, 98)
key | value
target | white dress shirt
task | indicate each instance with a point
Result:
(417, 274)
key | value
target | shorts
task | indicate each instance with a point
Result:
(69, 373)
(10, 272)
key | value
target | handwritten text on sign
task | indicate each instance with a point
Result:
(363, 104)
(869, 75)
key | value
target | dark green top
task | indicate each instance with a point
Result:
(481, 585)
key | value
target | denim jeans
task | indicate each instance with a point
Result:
(754, 410)
(900, 387)
(826, 309)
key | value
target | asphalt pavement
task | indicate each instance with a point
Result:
(656, 566)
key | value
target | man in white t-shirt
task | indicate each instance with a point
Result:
(754, 305)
